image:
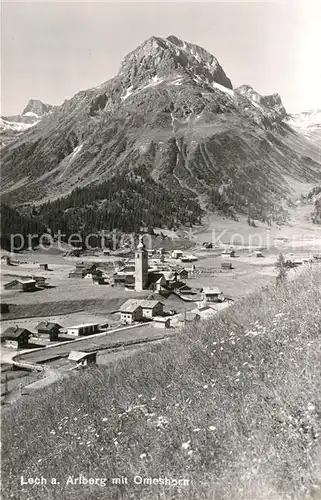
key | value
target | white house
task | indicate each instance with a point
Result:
(130, 312)
(212, 294)
(162, 322)
(85, 329)
(82, 358)
(177, 254)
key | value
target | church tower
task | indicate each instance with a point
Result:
(141, 266)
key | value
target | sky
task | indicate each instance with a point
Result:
(50, 50)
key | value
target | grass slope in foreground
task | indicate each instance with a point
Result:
(233, 405)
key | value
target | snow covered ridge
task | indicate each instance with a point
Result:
(7, 126)
(307, 119)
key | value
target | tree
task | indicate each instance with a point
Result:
(281, 268)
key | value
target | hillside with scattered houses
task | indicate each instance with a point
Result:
(232, 405)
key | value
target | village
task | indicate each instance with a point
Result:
(126, 304)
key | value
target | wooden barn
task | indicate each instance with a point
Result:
(156, 281)
(226, 265)
(181, 274)
(49, 328)
(16, 337)
(151, 308)
(28, 285)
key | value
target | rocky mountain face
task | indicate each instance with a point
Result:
(36, 108)
(270, 105)
(12, 126)
(170, 112)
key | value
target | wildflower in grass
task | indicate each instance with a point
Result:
(53, 432)
(205, 386)
(153, 398)
(140, 396)
(186, 445)
(143, 455)
(75, 419)
(212, 428)
(105, 419)
(197, 429)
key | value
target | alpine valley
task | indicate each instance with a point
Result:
(160, 144)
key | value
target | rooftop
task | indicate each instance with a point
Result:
(79, 355)
(211, 290)
(161, 319)
(84, 325)
(130, 306)
(14, 332)
(48, 325)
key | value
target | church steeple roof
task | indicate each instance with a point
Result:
(141, 245)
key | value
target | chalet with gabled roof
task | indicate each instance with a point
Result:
(16, 337)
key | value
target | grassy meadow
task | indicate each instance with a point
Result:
(231, 405)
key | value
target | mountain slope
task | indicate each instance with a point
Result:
(171, 109)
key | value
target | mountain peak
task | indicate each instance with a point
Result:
(269, 103)
(167, 57)
(36, 107)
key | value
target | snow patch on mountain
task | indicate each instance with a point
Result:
(308, 124)
(307, 119)
(7, 126)
(67, 162)
(153, 82)
(31, 113)
(128, 92)
(230, 92)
